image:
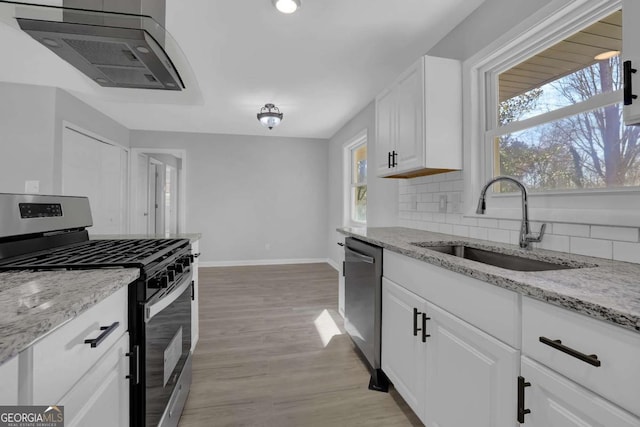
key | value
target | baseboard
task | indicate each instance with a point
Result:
(333, 264)
(241, 263)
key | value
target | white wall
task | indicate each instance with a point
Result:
(245, 192)
(382, 194)
(26, 137)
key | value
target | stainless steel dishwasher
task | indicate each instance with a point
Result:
(363, 305)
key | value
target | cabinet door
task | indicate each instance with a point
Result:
(471, 377)
(403, 354)
(410, 121)
(195, 311)
(385, 131)
(101, 397)
(555, 401)
(631, 52)
(9, 381)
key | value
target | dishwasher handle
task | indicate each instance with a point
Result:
(362, 257)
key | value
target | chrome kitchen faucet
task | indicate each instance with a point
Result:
(526, 237)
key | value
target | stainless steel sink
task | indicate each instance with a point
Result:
(509, 262)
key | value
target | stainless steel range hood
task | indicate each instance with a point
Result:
(121, 45)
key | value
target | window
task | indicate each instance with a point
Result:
(356, 154)
(558, 120)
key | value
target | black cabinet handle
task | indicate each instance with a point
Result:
(106, 331)
(416, 313)
(134, 365)
(193, 290)
(424, 327)
(627, 91)
(340, 244)
(591, 359)
(394, 161)
(521, 409)
(389, 160)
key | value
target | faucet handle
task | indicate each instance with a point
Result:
(533, 238)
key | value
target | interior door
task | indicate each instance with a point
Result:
(98, 170)
(141, 214)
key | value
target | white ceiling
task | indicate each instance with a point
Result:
(320, 65)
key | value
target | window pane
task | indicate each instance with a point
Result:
(588, 150)
(359, 203)
(359, 164)
(564, 74)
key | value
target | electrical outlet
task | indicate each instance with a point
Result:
(442, 203)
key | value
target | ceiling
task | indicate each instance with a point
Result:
(563, 58)
(320, 65)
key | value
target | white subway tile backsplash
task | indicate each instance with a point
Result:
(488, 222)
(554, 242)
(625, 251)
(461, 230)
(433, 188)
(446, 186)
(445, 228)
(453, 218)
(498, 235)
(508, 224)
(591, 247)
(470, 221)
(626, 234)
(479, 233)
(577, 230)
(439, 217)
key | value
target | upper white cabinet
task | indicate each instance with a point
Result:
(631, 61)
(419, 121)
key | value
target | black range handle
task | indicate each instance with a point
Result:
(106, 331)
(424, 327)
(627, 91)
(394, 161)
(389, 160)
(522, 411)
(591, 359)
(416, 313)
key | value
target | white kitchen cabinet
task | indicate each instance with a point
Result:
(470, 376)
(101, 397)
(555, 401)
(9, 381)
(195, 312)
(89, 380)
(631, 53)
(419, 120)
(403, 352)
(453, 376)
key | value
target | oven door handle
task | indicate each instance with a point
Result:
(157, 307)
(361, 257)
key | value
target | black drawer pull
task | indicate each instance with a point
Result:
(522, 411)
(591, 359)
(424, 327)
(106, 331)
(416, 313)
(389, 160)
(627, 91)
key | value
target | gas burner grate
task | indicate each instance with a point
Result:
(98, 254)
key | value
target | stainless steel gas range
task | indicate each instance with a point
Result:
(49, 232)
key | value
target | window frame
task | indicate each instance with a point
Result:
(349, 147)
(551, 24)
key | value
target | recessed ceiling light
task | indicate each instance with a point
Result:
(287, 6)
(606, 55)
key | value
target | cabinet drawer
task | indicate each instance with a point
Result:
(617, 350)
(62, 357)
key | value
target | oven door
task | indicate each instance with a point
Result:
(167, 354)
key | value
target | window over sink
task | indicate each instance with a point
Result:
(356, 176)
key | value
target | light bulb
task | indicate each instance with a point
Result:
(287, 6)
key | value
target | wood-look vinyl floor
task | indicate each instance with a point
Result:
(261, 361)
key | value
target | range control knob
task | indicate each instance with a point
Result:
(179, 267)
(164, 281)
(171, 275)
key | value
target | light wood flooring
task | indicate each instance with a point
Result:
(260, 360)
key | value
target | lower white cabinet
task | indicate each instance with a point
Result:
(403, 352)
(101, 397)
(448, 371)
(552, 400)
(9, 381)
(195, 312)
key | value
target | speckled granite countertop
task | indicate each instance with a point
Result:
(191, 236)
(32, 304)
(603, 289)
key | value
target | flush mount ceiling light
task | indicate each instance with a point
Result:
(606, 55)
(287, 6)
(270, 116)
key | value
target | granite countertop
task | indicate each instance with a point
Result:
(193, 237)
(603, 289)
(34, 303)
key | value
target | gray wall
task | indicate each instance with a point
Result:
(246, 192)
(488, 22)
(26, 136)
(382, 194)
(31, 123)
